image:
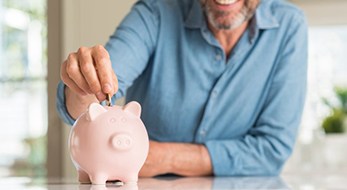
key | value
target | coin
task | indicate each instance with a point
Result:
(109, 100)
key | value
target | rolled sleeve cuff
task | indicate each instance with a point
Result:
(224, 162)
(61, 106)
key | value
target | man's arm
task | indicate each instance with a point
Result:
(87, 76)
(77, 104)
(266, 147)
(125, 56)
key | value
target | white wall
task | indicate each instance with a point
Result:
(90, 22)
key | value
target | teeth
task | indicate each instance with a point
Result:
(225, 2)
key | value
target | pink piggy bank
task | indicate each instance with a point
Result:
(109, 143)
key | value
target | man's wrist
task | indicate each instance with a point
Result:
(168, 157)
(206, 159)
(187, 159)
(76, 104)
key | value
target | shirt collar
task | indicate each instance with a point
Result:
(196, 17)
(264, 18)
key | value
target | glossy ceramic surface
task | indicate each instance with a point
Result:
(109, 143)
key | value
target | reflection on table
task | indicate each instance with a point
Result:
(318, 180)
(174, 183)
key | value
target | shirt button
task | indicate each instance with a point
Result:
(218, 57)
(214, 93)
(203, 132)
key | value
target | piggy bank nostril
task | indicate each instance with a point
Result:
(113, 120)
(121, 142)
(123, 119)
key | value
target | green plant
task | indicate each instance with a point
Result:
(336, 121)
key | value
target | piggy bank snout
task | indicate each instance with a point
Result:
(121, 141)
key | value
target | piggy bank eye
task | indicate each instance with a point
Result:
(113, 120)
(124, 119)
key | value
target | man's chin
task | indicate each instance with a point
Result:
(224, 26)
(228, 24)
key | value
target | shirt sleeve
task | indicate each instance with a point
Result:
(130, 48)
(61, 106)
(133, 43)
(269, 143)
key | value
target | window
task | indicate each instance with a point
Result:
(23, 107)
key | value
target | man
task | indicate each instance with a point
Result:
(221, 82)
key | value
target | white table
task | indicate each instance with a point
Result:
(302, 182)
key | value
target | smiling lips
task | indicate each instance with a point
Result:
(225, 2)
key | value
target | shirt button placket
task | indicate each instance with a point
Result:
(214, 94)
(203, 132)
(218, 57)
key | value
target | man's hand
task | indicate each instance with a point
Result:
(89, 71)
(176, 158)
(88, 74)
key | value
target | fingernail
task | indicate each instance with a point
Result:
(107, 88)
(100, 96)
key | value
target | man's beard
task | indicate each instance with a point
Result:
(233, 22)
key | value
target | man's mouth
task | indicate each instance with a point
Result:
(225, 2)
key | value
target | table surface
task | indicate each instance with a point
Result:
(302, 182)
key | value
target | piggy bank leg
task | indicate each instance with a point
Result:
(98, 178)
(83, 177)
(131, 179)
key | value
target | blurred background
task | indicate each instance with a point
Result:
(37, 35)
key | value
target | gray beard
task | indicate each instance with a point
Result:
(244, 15)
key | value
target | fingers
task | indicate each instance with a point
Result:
(89, 71)
(69, 82)
(74, 73)
(104, 69)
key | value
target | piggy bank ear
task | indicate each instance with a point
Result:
(94, 110)
(134, 108)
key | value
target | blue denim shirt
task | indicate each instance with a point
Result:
(245, 108)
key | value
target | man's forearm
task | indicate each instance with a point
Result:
(190, 159)
(177, 158)
(77, 104)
